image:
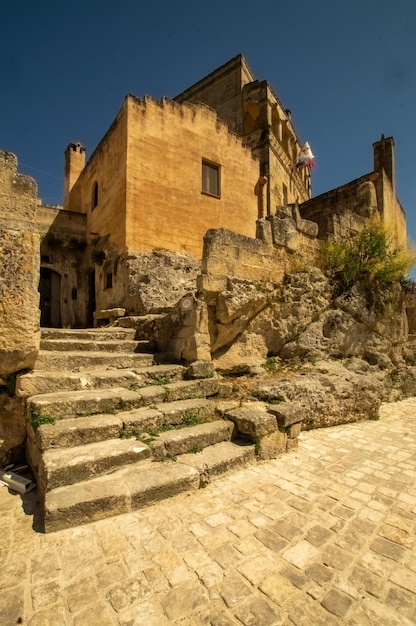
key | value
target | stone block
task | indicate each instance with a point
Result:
(294, 431)
(270, 446)
(253, 420)
(108, 315)
(200, 369)
(286, 413)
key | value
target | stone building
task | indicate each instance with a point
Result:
(219, 157)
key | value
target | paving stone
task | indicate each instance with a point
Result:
(401, 600)
(309, 612)
(300, 554)
(271, 540)
(286, 529)
(318, 535)
(278, 588)
(377, 564)
(319, 573)
(156, 579)
(127, 592)
(12, 606)
(295, 576)
(405, 578)
(258, 611)
(371, 611)
(336, 557)
(234, 590)
(336, 602)
(365, 580)
(183, 600)
(96, 615)
(45, 595)
(256, 568)
(49, 617)
(397, 535)
(210, 574)
(388, 548)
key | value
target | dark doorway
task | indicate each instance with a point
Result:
(50, 298)
(91, 298)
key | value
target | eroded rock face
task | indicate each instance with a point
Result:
(19, 260)
(300, 319)
(159, 279)
(330, 392)
(12, 426)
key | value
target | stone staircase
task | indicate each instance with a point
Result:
(110, 431)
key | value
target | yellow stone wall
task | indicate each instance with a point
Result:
(221, 90)
(165, 206)
(107, 168)
(391, 210)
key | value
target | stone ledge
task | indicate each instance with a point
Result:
(254, 421)
(108, 316)
(286, 413)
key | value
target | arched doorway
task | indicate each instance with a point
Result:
(50, 298)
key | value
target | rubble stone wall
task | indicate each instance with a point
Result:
(19, 260)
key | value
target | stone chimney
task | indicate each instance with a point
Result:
(384, 158)
(74, 164)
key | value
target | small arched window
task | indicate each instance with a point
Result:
(95, 195)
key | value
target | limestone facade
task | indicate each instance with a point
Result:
(19, 260)
(216, 162)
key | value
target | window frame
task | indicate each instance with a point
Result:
(205, 180)
(94, 197)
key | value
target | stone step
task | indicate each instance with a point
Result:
(42, 381)
(219, 459)
(63, 404)
(81, 430)
(173, 413)
(75, 431)
(87, 345)
(79, 361)
(58, 405)
(190, 439)
(90, 334)
(125, 490)
(67, 466)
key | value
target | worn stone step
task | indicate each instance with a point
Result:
(190, 439)
(63, 404)
(219, 459)
(91, 334)
(76, 431)
(58, 405)
(79, 361)
(87, 345)
(80, 430)
(191, 388)
(67, 466)
(41, 381)
(125, 490)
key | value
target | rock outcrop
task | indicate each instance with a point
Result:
(19, 297)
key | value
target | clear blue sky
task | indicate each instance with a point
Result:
(347, 71)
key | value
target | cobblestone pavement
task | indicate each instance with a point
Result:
(323, 535)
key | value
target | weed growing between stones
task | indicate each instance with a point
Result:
(190, 418)
(37, 418)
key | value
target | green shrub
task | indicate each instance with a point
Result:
(370, 258)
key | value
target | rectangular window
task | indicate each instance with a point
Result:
(284, 195)
(211, 183)
(108, 280)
